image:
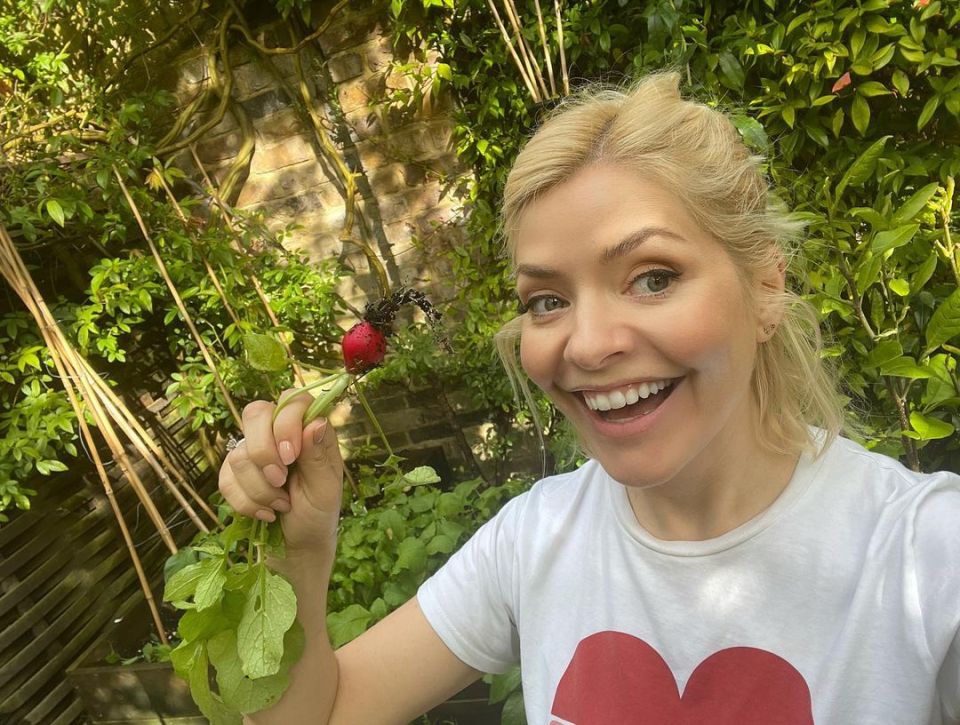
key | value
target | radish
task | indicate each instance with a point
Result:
(364, 347)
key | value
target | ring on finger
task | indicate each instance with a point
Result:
(233, 441)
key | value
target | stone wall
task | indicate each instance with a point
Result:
(407, 173)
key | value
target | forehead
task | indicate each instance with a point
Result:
(597, 207)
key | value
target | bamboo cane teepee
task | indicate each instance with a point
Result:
(91, 397)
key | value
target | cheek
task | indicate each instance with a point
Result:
(539, 358)
(719, 341)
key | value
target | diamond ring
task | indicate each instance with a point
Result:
(233, 442)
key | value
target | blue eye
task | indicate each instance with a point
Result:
(653, 282)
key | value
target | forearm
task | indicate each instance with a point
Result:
(314, 678)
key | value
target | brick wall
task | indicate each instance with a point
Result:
(406, 164)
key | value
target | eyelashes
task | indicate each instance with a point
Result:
(650, 284)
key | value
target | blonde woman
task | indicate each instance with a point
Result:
(725, 556)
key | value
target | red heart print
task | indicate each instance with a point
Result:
(617, 679)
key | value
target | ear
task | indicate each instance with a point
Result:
(770, 288)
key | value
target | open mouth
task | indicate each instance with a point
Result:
(630, 401)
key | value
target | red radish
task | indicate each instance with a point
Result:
(364, 347)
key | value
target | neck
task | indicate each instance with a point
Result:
(703, 503)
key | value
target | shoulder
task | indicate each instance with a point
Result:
(847, 461)
(889, 503)
(550, 507)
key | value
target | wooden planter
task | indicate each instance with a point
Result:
(151, 694)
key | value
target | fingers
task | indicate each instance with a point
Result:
(247, 490)
(253, 474)
(319, 468)
(288, 426)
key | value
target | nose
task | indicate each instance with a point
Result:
(597, 336)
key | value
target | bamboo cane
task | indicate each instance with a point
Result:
(111, 497)
(546, 48)
(563, 55)
(531, 88)
(179, 302)
(526, 51)
(139, 437)
(210, 273)
(19, 278)
(271, 315)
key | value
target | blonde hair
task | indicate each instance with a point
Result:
(696, 152)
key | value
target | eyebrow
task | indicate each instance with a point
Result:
(610, 254)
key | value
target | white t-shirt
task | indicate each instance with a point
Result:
(839, 604)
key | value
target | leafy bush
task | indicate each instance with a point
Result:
(856, 106)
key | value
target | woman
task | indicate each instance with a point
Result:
(724, 557)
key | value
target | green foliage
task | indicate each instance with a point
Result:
(398, 532)
(64, 128)
(855, 104)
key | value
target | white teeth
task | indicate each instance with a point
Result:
(615, 399)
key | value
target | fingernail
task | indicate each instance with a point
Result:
(287, 454)
(281, 505)
(276, 475)
(320, 430)
(266, 515)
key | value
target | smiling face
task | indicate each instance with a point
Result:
(638, 327)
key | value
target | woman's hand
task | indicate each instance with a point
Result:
(284, 469)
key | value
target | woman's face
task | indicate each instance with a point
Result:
(638, 327)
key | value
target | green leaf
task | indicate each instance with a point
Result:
(923, 275)
(751, 131)
(183, 584)
(944, 324)
(860, 113)
(901, 82)
(503, 685)
(411, 555)
(915, 204)
(893, 238)
(237, 690)
(421, 475)
(270, 610)
(441, 544)
(929, 108)
(731, 69)
(348, 624)
(513, 712)
(195, 625)
(900, 286)
(182, 559)
(884, 352)
(190, 662)
(265, 352)
(905, 367)
(930, 428)
(868, 272)
(861, 169)
(55, 211)
(210, 586)
(870, 89)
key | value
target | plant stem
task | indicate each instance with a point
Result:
(373, 419)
